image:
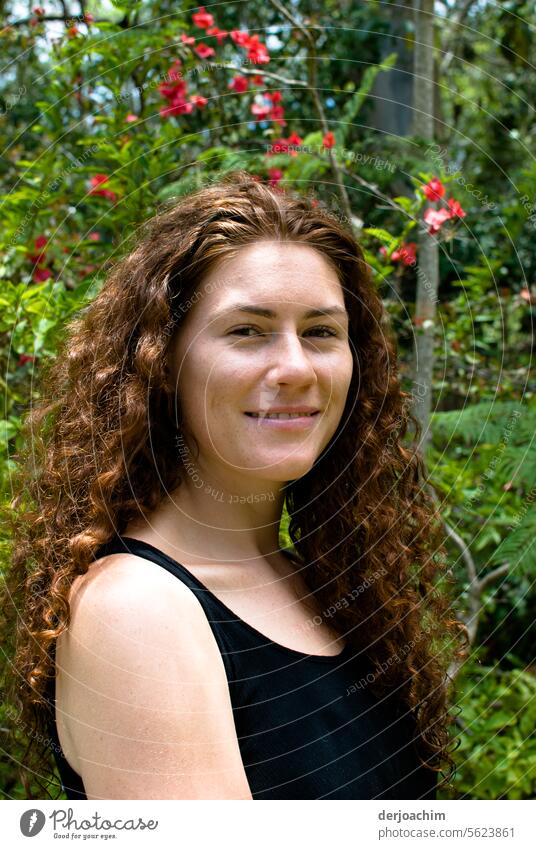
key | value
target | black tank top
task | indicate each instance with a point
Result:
(307, 726)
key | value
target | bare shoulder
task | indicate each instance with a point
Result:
(143, 705)
(116, 581)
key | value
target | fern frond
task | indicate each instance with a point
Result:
(519, 547)
(487, 423)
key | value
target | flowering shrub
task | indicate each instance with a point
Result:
(99, 180)
(434, 190)
(133, 115)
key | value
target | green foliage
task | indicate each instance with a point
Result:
(63, 120)
(496, 758)
(500, 442)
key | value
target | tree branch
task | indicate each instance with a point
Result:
(494, 575)
(448, 56)
(311, 79)
(269, 74)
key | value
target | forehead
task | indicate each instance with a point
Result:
(270, 272)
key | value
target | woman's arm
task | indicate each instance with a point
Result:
(142, 694)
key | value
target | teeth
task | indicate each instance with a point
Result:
(280, 415)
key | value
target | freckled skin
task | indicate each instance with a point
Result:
(220, 374)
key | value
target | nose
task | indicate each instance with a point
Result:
(290, 363)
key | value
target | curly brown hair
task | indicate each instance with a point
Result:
(100, 448)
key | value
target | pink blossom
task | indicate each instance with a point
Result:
(435, 218)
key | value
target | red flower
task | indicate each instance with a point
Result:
(204, 51)
(88, 18)
(175, 76)
(279, 146)
(239, 84)
(219, 33)
(131, 118)
(276, 114)
(282, 145)
(275, 176)
(98, 180)
(174, 91)
(202, 19)
(434, 190)
(40, 258)
(294, 139)
(95, 237)
(171, 91)
(257, 79)
(187, 39)
(39, 11)
(25, 358)
(455, 208)
(177, 107)
(328, 140)
(435, 218)
(239, 37)
(41, 274)
(198, 100)
(260, 111)
(257, 52)
(406, 253)
(274, 96)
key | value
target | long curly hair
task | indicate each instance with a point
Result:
(100, 449)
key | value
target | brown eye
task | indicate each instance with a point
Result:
(240, 330)
(323, 328)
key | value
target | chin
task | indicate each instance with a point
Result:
(284, 470)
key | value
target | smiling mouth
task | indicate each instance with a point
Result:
(282, 415)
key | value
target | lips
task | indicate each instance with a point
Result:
(283, 415)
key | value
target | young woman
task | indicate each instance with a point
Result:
(234, 368)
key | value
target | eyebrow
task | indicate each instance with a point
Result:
(266, 313)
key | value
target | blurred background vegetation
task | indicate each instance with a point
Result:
(109, 109)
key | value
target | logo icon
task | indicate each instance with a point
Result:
(31, 822)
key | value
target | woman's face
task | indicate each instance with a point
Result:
(247, 346)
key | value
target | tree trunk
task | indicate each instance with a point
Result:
(428, 263)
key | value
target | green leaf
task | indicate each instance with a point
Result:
(406, 203)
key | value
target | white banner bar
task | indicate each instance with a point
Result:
(269, 824)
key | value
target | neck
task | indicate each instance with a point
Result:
(203, 518)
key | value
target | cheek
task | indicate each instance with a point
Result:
(215, 387)
(339, 377)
